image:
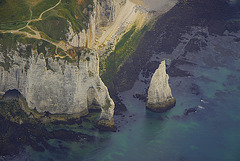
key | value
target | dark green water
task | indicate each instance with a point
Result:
(210, 134)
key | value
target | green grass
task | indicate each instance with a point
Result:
(123, 50)
(9, 43)
(13, 11)
(69, 9)
(53, 27)
(12, 25)
(46, 37)
(42, 6)
(68, 59)
(11, 110)
(62, 54)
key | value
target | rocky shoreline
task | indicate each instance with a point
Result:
(174, 23)
(18, 130)
(162, 107)
(166, 35)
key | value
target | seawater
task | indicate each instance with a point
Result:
(210, 134)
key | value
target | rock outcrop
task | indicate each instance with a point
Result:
(57, 86)
(65, 81)
(160, 96)
(108, 21)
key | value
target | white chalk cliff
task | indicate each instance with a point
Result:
(108, 22)
(159, 92)
(63, 87)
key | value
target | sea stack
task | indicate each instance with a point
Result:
(160, 97)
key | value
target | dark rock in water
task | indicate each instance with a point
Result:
(189, 110)
(174, 71)
(67, 135)
(106, 125)
(149, 69)
(195, 45)
(195, 89)
(166, 35)
(68, 122)
(163, 107)
(119, 106)
(141, 97)
(17, 129)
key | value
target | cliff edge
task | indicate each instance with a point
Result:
(52, 56)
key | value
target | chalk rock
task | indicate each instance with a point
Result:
(160, 96)
(58, 87)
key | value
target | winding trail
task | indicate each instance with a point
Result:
(37, 34)
(40, 17)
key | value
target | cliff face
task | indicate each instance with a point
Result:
(104, 13)
(108, 21)
(49, 81)
(59, 87)
(159, 93)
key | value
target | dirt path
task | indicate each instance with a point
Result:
(37, 34)
(40, 17)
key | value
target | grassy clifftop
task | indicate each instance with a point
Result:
(41, 23)
(16, 13)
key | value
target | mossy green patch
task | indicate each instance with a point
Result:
(9, 44)
(106, 125)
(54, 27)
(77, 14)
(11, 110)
(123, 50)
(16, 13)
(107, 105)
(42, 6)
(12, 25)
(13, 12)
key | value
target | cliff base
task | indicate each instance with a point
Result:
(162, 107)
(105, 125)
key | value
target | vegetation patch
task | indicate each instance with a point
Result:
(107, 105)
(13, 13)
(123, 50)
(77, 13)
(54, 23)
(9, 44)
(18, 128)
(38, 8)
(54, 27)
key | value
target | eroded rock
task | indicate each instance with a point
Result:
(160, 96)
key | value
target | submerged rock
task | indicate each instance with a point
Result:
(189, 110)
(160, 96)
(106, 125)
